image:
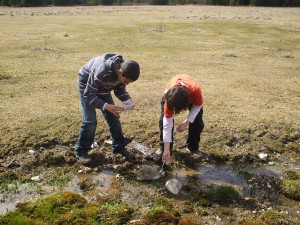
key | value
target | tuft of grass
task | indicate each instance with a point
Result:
(226, 194)
(204, 202)
(291, 189)
(160, 215)
(60, 179)
(268, 217)
(291, 175)
(219, 155)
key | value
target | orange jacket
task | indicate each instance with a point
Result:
(194, 91)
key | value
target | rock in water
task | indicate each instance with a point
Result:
(174, 186)
(149, 173)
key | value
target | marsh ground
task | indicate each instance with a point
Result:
(246, 60)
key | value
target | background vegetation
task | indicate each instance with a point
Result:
(151, 2)
(247, 66)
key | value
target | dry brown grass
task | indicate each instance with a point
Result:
(245, 59)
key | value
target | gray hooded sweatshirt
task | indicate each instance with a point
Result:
(98, 78)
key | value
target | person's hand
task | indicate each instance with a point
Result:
(182, 126)
(166, 157)
(116, 110)
(127, 105)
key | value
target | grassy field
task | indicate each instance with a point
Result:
(247, 62)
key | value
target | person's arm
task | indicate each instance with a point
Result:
(197, 101)
(182, 126)
(93, 83)
(193, 113)
(121, 93)
(168, 124)
(166, 154)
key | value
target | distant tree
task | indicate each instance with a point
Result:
(159, 2)
(244, 2)
(106, 2)
(60, 2)
(221, 2)
(234, 2)
(14, 2)
(4, 2)
(48, 2)
(290, 3)
(35, 2)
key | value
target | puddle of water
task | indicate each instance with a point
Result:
(215, 175)
(225, 176)
(21, 193)
(28, 191)
(228, 175)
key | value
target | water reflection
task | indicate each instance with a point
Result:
(18, 193)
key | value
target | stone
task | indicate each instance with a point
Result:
(146, 152)
(36, 178)
(149, 172)
(31, 152)
(174, 186)
(263, 156)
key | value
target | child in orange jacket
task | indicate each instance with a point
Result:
(182, 93)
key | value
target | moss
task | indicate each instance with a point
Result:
(15, 219)
(53, 158)
(159, 215)
(164, 203)
(291, 189)
(268, 217)
(226, 194)
(114, 214)
(219, 156)
(9, 176)
(204, 202)
(291, 175)
(187, 221)
(68, 208)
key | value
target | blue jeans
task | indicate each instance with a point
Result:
(89, 124)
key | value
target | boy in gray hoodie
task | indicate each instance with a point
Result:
(96, 79)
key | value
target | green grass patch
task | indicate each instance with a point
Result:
(67, 208)
(291, 189)
(226, 194)
(269, 217)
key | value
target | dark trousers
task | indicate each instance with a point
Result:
(194, 131)
(89, 124)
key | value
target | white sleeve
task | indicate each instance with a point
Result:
(168, 124)
(193, 113)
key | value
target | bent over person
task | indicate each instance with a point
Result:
(181, 93)
(96, 80)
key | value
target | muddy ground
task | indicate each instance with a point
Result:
(257, 178)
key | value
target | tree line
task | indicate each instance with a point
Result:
(30, 3)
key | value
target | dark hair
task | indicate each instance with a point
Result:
(131, 70)
(177, 99)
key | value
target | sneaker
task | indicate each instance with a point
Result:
(196, 153)
(83, 158)
(125, 154)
